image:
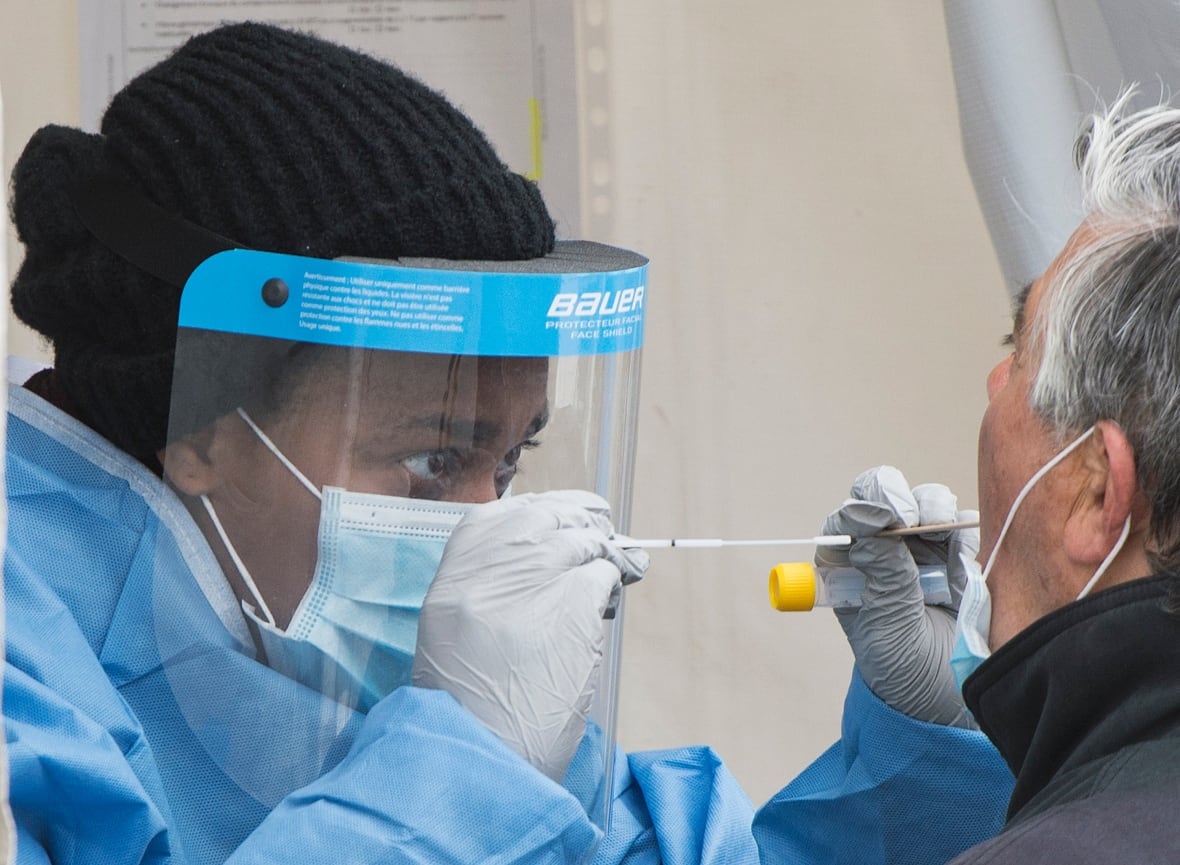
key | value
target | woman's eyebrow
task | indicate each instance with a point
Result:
(468, 429)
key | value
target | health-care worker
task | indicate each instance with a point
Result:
(297, 568)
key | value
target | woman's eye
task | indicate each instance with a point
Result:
(433, 465)
(434, 473)
(512, 457)
(511, 461)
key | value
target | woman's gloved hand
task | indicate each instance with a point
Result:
(902, 646)
(512, 626)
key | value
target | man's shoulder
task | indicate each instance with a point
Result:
(1114, 825)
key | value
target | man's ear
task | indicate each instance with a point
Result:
(187, 465)
(1109, 491)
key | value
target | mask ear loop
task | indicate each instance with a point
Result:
(1118, 545)
(274, 449)
(1032, 482)
(238, 563)
(221, 533)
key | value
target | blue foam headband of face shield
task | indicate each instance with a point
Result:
(583, 298)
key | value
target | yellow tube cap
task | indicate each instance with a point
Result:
(792, 587)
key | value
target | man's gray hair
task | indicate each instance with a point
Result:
(1108, 326)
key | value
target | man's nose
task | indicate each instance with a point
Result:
(998, 377)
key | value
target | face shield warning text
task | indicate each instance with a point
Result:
(330, 303)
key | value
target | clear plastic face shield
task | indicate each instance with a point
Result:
(334, 420)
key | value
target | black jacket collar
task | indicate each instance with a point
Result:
(1080, 683)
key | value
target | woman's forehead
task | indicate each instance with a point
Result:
(410, 388)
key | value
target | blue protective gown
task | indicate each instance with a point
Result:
(141, 729)
(891, 790)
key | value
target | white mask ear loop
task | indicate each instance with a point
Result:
(273, 448)
(1118, 545)
(238, 563)
(233, 553)
(1032, 482)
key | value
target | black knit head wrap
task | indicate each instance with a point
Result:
(277, 140)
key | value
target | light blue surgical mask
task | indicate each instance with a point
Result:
(973, 625)
(353, 635)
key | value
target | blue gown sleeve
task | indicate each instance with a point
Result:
(892, 790)
(74, 791)
(83, 783)
(677, 807)
(424, 782)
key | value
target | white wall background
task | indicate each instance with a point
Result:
(823, 298)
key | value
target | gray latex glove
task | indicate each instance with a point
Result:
(512, 626)
(902, 646)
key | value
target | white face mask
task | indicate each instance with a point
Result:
(973, 625)
(353, 635)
